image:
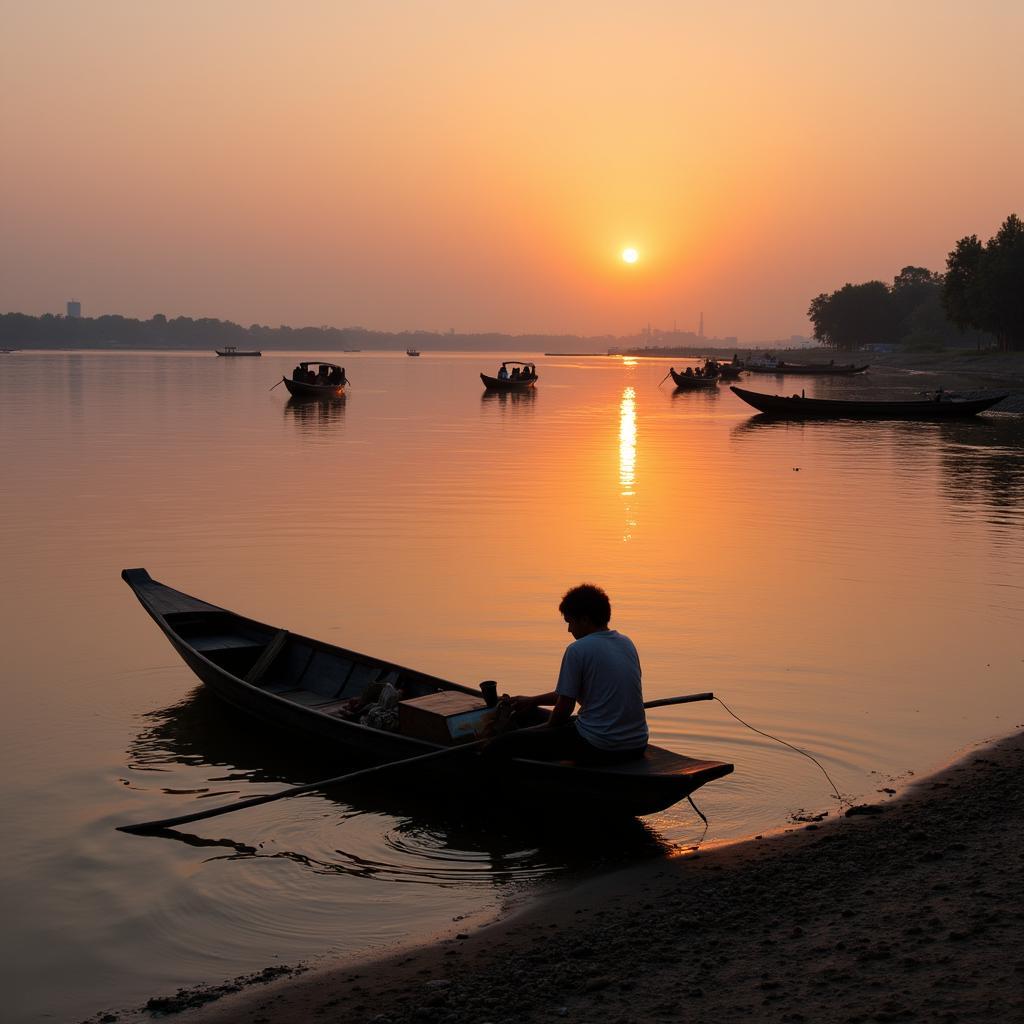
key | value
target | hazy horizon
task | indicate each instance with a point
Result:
(483, 169)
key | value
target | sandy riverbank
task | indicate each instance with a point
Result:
(912, 912)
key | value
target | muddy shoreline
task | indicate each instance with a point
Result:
(908, 910)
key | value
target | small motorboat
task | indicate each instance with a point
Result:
(516, 380)
(942, 406)
(304, 687)
(306, 383)
(230, 350)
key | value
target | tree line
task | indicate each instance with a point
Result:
(19, 330)
(979, 300)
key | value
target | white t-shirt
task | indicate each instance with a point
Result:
(602, 672)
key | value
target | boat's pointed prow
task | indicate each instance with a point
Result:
(134, 577)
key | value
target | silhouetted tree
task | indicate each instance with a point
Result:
(855, 315)
(984, 285)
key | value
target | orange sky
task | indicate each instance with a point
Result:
(482, 165)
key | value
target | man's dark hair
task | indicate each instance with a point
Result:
(587, 602)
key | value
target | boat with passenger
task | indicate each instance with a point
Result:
(327, 381)
(693, 380)
(940, 406)
(519, 378)
(231, 350)
(309, 688)
(412, 352)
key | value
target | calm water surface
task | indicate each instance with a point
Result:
(854, 588)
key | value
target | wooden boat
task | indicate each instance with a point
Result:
(692, 382)
(304, 389)
(806, 369)
(526, 379)
(230, 350)
(299, 684)
(798, 407)
(730, 371)
(411, 352)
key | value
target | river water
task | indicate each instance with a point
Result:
(855, 589)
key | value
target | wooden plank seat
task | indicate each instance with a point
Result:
(267, 658)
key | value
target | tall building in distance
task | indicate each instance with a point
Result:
(74, 309)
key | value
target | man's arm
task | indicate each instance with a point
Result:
(563, 706)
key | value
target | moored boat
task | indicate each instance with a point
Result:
(730, 371)
(329, 384)
(797, 407)
(303, 686)
(523, 379)
(694, 381)
(412, 352)
(769, 364)
(230, 350)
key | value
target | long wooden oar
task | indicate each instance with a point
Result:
(665, 378)
(281, 381)
(164, 823)
(309, 787)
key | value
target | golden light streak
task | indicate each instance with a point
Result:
(627, 455)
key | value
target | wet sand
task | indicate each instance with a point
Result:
(909, 910)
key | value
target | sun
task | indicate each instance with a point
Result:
(630, 255)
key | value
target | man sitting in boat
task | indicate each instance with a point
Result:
(298, 373)
(601, 672)
(502, 372)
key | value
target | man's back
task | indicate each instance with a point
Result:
(602, 672)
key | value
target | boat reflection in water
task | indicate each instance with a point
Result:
(506, 399)
(315, 415)
(390, 832)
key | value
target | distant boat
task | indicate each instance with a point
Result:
(7, 351)
(526, 379)
(411, 352)
(693, 381)
(230, 350)
(941, 407)
(769, 364)
(303, 687)
(730, 371)
(315, 388)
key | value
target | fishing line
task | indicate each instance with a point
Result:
(785, 743)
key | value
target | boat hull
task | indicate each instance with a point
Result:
(799, 408)
(231, 355)
(810, 369)
(692, 383)
(300, 389)
(299, 689)
(496, 384)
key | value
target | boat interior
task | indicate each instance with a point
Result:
(305, 672)
(302, 670)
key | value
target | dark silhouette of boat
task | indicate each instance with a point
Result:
(412, 352)
(526, 379)
(769, 364)
(299, 685)
(730, 371)
(306, 389)
(941, 407)
(693, 382)
(230, 350)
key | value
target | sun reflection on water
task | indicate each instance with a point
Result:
(627, 455)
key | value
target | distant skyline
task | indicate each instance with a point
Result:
(490, 167)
